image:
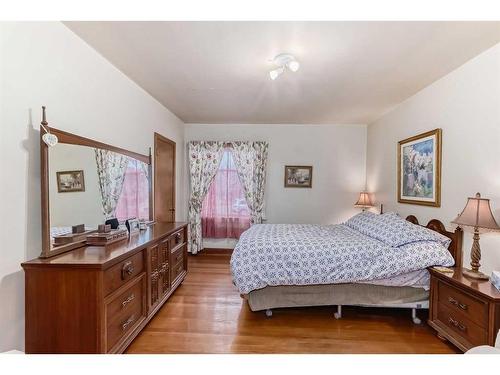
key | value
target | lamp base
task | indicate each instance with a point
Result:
(475, 274)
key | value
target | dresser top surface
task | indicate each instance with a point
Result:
(104, 256)
(483, 287)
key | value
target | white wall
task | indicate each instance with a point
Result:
(336, 152)
(466, 105)
(46, 64)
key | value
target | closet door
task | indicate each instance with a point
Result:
(164, 179)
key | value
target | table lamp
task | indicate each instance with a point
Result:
(476, 215)
(364, 201)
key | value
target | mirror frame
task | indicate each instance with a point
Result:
(69, 138)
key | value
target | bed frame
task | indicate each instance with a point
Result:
(455, 248)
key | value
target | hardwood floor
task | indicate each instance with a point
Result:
(207, 315)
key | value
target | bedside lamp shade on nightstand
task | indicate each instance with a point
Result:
(364, 201)
(476, 215)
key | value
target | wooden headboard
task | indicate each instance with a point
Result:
(455, 247)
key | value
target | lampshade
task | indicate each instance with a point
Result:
(477, 213)
(364, 200)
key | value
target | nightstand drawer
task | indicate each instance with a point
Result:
(463, 305)
(462, 328)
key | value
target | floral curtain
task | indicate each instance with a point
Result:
(204, 160)
(251, 160)
(111, 168)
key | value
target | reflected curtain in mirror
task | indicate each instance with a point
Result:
(111, 174)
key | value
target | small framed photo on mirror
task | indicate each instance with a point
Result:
(70, 181)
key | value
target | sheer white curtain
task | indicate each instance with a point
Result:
(204, 160)
(225, 213)
(111, 168)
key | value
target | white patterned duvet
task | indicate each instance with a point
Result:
(308, 254)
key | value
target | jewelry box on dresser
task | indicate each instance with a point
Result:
(96, 299)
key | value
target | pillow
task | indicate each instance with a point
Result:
(393, 230)
(360, 221)
(396, 231)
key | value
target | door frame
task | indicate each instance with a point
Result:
(158, 137)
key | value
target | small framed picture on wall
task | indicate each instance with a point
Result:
(298, 176)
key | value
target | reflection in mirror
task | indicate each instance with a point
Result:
(89, 185)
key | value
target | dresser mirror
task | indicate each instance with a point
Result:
(86, 182)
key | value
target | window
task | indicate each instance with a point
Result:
(134, 198)
(225, 213)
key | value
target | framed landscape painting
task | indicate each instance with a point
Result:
(298, 176)
(419, 169)
(70, 181)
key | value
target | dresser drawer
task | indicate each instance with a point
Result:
(463, 305)
(176, 239)
(461, 327)
(125, 311)
(126, 300)
(122, 272)
(178, 256)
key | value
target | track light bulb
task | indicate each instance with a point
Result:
(275, 73)
(293, 65)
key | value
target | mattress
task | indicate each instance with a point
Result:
(334, 294)
(415, 279)
(269, 255)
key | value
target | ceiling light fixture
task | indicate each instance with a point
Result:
(283, 60)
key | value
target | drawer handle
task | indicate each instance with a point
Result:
(128, 322)
(453, 301)
(457, 324)
(177, 238)
(127, 270)
(128, 300)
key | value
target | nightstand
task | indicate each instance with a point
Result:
(462, 310)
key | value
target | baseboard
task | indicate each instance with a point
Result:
(217, 251)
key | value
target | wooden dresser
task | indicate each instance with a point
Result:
(97, 299)
(464, 311)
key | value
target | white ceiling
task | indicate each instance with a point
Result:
(351, 72)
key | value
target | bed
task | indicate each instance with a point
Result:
(371, 260)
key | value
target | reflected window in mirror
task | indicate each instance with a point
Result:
(88, 185)
(134, 198)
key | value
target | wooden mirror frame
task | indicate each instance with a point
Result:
(69, 138)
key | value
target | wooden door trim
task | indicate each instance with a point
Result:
(159, 137)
